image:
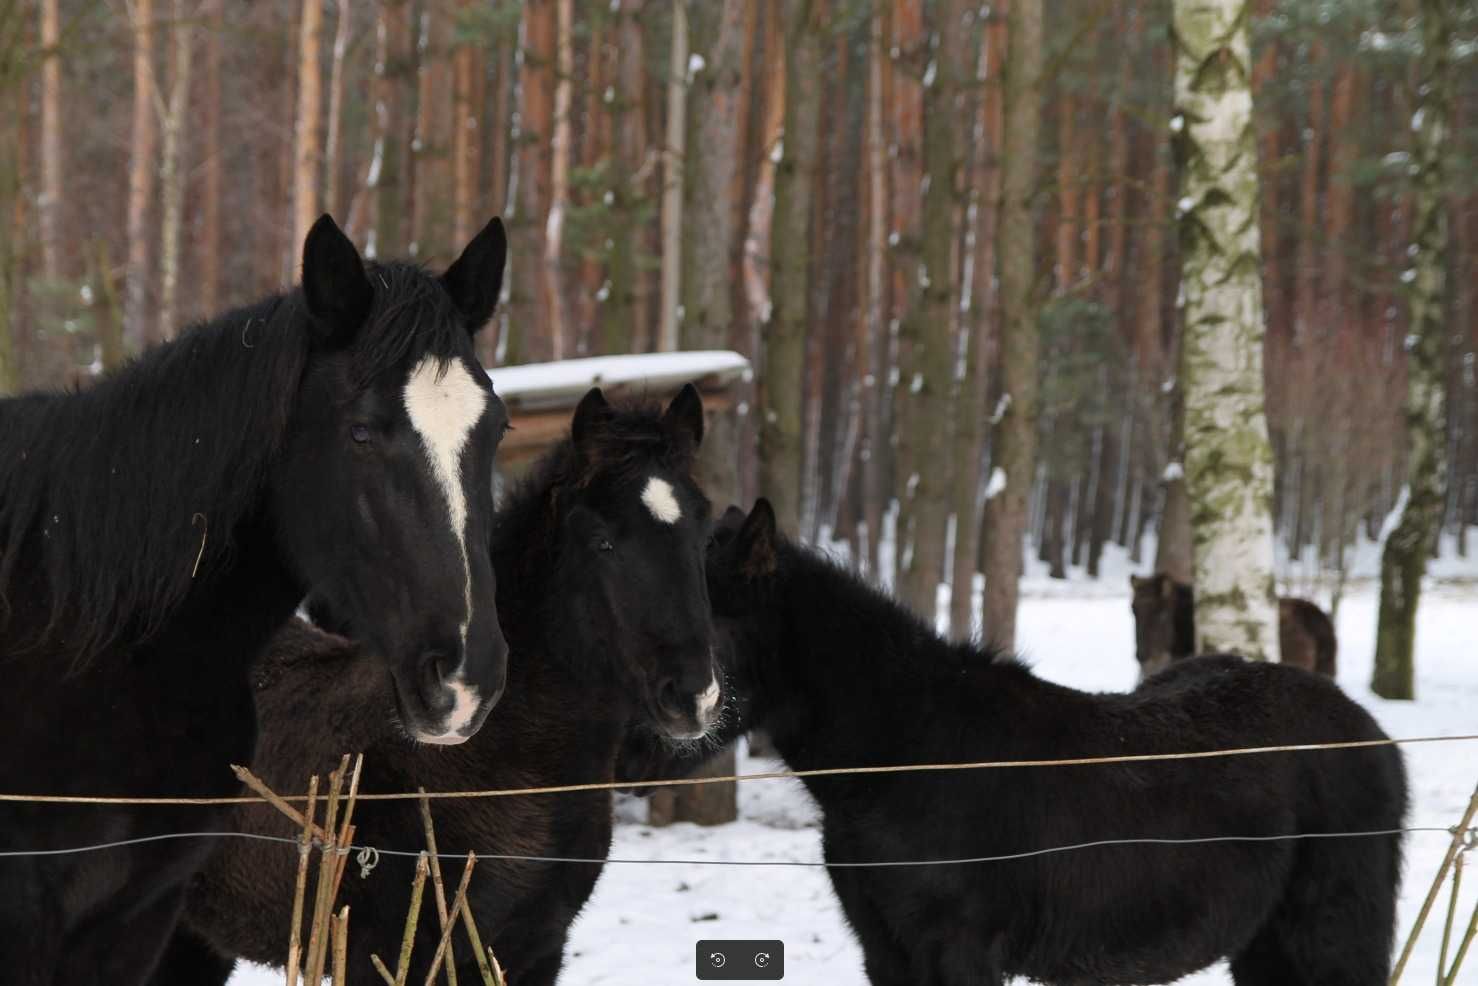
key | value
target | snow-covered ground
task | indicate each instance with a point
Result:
(640, 926)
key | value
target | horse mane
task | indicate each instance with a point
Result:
(116, 500)
(810, 575)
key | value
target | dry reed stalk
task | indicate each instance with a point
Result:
(384, 972)
(1457, 885)
(273, 798)
(491, 976)
(1459, 835)
(436, 883)
(305, 848)
(318, 933)
(1462, 950)
(412, 917)
(458, 904)
(341, 946)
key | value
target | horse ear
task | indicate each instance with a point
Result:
(335, 286)
(732, 519)
(757, 540)
(685, 413)
(475, 279)
(592, 412)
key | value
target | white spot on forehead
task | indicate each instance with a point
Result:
(444, 404)
(661, 500)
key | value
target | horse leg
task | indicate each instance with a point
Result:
(189, 960)
(1336, 922)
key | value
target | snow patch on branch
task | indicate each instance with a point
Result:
(996, 485)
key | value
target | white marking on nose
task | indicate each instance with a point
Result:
(466, 703)
(707, 700)
(661, 501)
(444, 404)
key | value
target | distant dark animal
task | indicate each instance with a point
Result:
(1165, 627)
(841, 675)
(602, 595)
(158, 528)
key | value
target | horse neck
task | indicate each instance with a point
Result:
(848, 658)
(160, 470)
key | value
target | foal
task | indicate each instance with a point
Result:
(840, 675)
(158, 527)
(602, 595)
(1165, 627)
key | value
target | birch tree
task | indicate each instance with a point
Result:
(1418, 515)
(1013, 462)
(1228, 461)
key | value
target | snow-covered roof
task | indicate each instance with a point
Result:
(561, 384)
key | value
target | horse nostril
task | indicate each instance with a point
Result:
(669, 698)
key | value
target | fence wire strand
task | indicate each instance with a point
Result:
(76, 799)
(809, 864)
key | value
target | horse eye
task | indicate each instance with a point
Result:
(604, 544)
(360, 433)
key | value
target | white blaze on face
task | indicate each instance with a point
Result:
(661, 500)
(444, 404)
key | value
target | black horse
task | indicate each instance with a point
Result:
(603, 599)
(840, 675)
(158, 528)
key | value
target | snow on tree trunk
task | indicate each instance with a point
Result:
(1014, 450)
(926, 339)
(790, 256)
(1228, 462)
(1410, 540)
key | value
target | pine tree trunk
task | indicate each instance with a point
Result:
(12, 148)
(137, 330)
(1014, 460)
(212, 185)
(431, 149)
(560, 151)
(783, 358)
(466, 140)
(927, 337)
(1229, 463)
(307, 144)
(49, 202)
(672, 179)
(333, 141)
(1410, 542)
(172, 173)
(530, 303)
(389, 174)
(622, 315)
(875, 383)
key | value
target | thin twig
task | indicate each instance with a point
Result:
(204, 533)
(305, 847)
(272, 798)
(412, 917)
(1462, 950)
(1458, 836)
(490, 976)
(318, 934)
(436, 883)
(341, 946)
(380, 968)
(458, 904)
(1457, 885)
